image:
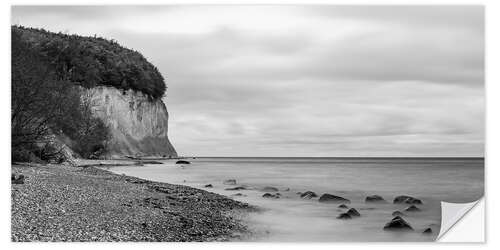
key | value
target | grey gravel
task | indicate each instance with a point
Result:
(64, 203)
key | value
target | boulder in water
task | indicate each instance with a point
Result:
(269, 189)
(236, 188)
(344, 216)
(308, 195)
(269, 195)
(375, 199)
(330, 198)
(209, 186)
(427, 231)
(397, 223)
(353, 212)
(229, 182)
(397, 213)
(412, 208)
(406, 199)
(150, 162)
(343, 206)
(182, 162)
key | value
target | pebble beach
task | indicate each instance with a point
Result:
(66, 203)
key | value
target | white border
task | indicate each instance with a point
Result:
(492, 144)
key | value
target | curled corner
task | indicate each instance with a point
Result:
(451, 213)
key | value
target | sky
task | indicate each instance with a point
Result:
(308, 81)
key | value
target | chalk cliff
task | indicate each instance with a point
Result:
(125, 88)
(138, 123)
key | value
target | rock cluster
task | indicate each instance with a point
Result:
(274, 196)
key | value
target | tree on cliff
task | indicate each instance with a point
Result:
(45, 103)
(91, 61)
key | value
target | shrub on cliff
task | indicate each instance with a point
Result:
(91, 61)
(45, 103)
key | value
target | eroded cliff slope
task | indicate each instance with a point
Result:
(138, 123)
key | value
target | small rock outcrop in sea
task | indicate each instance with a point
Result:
(236, 188)
(397, 213)
(343, 206)
(344, 216)
(269, 195)
(308, 195)
(150, 162)
(209, 186)
(375, 199)
(353, 212)
(412, 208)
(406, 199)
(427, 231)
(17, 179)
(330, 198)
(182, 162)
(269, 189)
(397, 223)
(229, 182)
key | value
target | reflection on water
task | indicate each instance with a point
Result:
(291, 218)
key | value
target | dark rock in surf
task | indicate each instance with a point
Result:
(330, 198)
(344, 216)
(209, 186)
(375, 199)
(343, 206)
(406, 199)
(150, 162)
(182, 162)
(308, 195)
(397, 224)
(427, 231)
(236, 188)
(17, 179)
(268, 195)
(269, 189)
(412, 208)
(397, 213)
(229, 182)
(353, 212)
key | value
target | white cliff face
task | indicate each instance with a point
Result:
(138, 124)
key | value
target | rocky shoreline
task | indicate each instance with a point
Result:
(65, 203)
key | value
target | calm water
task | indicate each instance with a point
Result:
(293, 219)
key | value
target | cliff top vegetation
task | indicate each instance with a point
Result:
(95, 61)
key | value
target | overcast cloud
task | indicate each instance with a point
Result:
(304, 80)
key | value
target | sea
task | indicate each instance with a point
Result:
(293, 219)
